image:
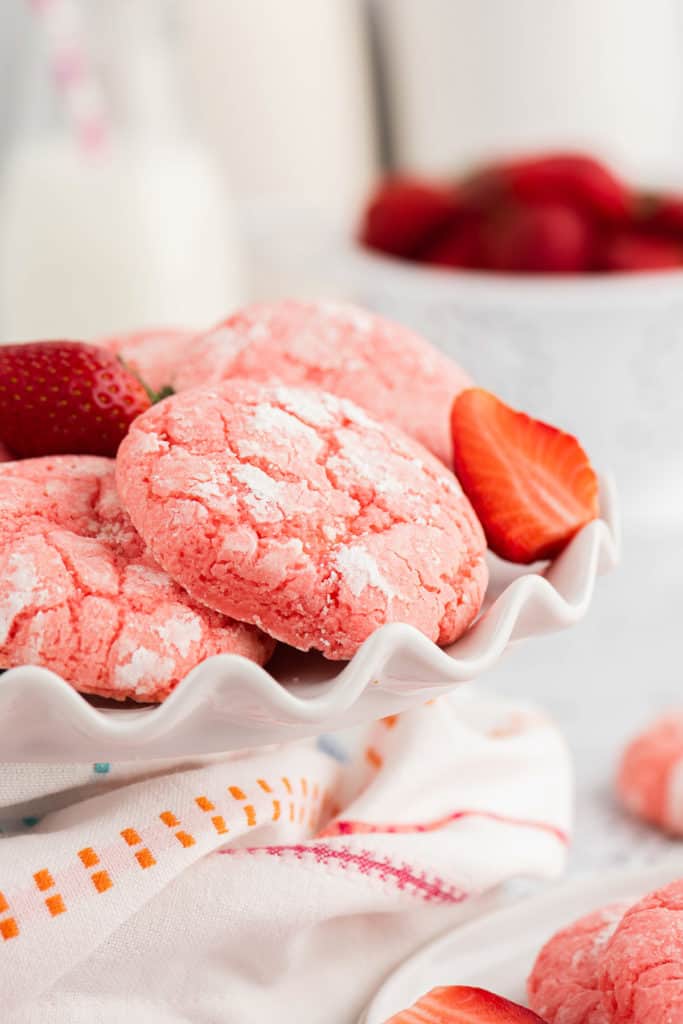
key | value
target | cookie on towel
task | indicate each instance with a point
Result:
(389, 371)
(155, 355)
(641, 969)
(79, 595)
(291, 509)
(650, 777)
(563, 985)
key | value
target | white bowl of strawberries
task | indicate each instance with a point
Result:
(556, 286)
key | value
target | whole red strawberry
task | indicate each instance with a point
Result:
(572, 178)
(405, 214)
(545, 238)
(65, 397)
(640, 250)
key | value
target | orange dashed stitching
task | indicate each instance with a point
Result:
(44, 879)
(218, 822)
(101, 880)
(204, 804)
(88, 857)
(291, 812)
(9, 929)
(250, 814)
(373, 757)
(287, 784)
(170, 819)
(184, 838)
(131, 836)
(276, 810)
(145, 858)
(236, 792)
(304, 787)
(264, 786)
(4, 905)
(55, 904)
(390, 721)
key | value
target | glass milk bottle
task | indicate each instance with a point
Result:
(124, 225)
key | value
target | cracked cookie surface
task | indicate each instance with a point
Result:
(80, 595)
(641, 972)
(293, 510)
(563, 986)
(386, 369)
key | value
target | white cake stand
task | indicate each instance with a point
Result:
(228, 703)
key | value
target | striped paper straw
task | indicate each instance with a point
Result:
(72, 72)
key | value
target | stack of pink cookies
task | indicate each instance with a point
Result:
(277, 496)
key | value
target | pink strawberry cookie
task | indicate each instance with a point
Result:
(155, 355)
(641, 971)
(388, 370)
(79, 595)
(563, 985)
(291, 509)
(650, 778)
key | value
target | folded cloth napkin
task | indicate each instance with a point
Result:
(274, 885)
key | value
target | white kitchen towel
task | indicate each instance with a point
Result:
(277, 885)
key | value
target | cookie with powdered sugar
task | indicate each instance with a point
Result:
(385, 368)
(293, 510)
(80, 595)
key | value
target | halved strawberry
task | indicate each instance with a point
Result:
(639, 250)
(65, 397)
(531, 485)
(405, 214)
(461, 1004)
(572, 178)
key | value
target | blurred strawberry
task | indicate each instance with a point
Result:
(549, 238)
(579, 181)
(65, 397)
(461, 1004)
(640, 250)
(457, 246)
(405, 214)
(531, 485)
(661, 213)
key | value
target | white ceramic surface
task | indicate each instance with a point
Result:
(601, 356)
(229, 703)
(497, 951)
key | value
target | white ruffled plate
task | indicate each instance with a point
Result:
(229, 703)
(497, 950)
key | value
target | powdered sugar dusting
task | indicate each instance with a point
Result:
(143, 665)
(181, 632)
(359, 570)
(24, 590)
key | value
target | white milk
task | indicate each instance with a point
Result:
(89, 246)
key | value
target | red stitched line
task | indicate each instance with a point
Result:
(341, 828)
(403, 876)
